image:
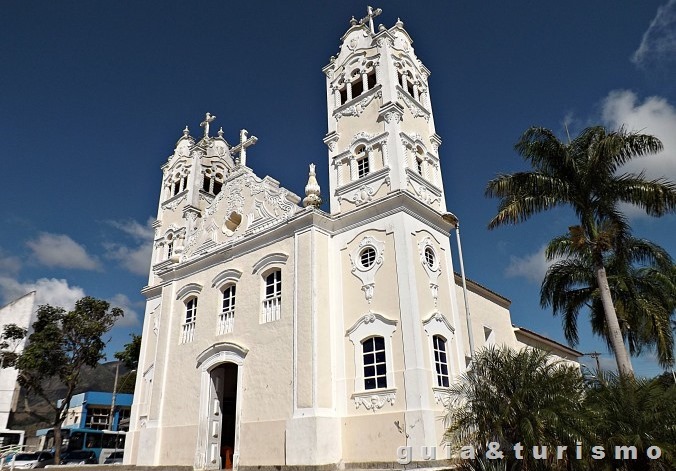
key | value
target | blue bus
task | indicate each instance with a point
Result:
(101, 442)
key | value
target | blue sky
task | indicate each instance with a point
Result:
(94, 95)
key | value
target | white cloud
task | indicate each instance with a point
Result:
(658, 44)
(138, 231)
(57, 292)
(131, 317)
(9, 264)
(135, 257)
(654, 116)
(52, 291)
(59, 250)
(532, 266)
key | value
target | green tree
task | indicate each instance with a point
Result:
(518, 397)
(583, 175)
(61, 345)
(129, 357)
(642, 282)
(631, 412)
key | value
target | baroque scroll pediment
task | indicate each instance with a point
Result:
(246, 206)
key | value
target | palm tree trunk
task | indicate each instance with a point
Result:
(613, 325)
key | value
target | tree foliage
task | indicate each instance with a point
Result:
(129, 357)
(525, 396)
(61, 345)
(585, 175)
(633, 412)
(642, 282)
(518, 396)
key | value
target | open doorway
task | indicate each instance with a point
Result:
(223, 415)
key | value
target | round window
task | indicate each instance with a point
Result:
(430, 258)
(367, 257)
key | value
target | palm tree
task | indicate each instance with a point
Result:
(583, 175)
(633, 412)
(518, 396)
(642, 282)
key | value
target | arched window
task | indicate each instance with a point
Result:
(361, 155)
(188, 329)
(375, 365)
(218, 184)
(440, 360)
(272, 301)
(419, 159)
(177, 185)
(226, 319)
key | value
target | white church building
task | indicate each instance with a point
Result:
(277, 334)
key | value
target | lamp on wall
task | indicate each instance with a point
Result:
(453, 220)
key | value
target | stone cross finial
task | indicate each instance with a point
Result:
(205, 124)
(244, 142)
(371, 13)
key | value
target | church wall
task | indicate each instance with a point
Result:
(485, 313)
(325, 369)
(263, 443)
(304, 321)
(372, 437)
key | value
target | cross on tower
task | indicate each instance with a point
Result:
(370, 14)
(244, 142)
(205, 124)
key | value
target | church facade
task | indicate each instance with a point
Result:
(277, 334)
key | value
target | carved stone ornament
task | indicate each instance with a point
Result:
(425, 195)
(260, 203)
(374, 401)
(392, 116)
(358, 108)
(364, 194)
(174, 203)
(442, 396)
(434, 271)
(367, 274)
(416, 109)
(331, 140)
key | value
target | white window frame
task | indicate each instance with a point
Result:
(271, 309)
(187, 294)
(189, 320)
(437, 324)
(368, 326)
(439, 364)
(226, 318)
(264, 267)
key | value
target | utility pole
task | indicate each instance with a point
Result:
(112, 401)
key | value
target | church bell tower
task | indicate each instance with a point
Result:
(381, 135)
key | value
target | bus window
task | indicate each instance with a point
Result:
(93, 440)
(76, 441)
(114, 441)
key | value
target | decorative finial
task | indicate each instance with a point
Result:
(333, 59)
(186, 131)
(381, 27)
(220, 132)
(312, 190)
(353, 22)
(399, 23)
(205, 124)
